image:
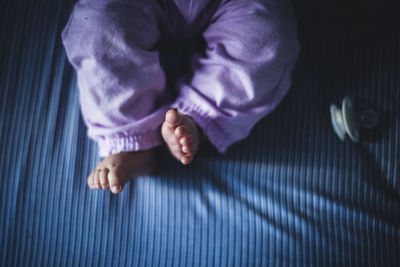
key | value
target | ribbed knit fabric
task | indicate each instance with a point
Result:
(292, 194)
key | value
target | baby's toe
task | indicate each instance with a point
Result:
(187, 149)
(104, 178)
(186, 140)
(180, 131)
(96, 179)
(173, 118)
(187, 158)
(90, 180)
(114, 181)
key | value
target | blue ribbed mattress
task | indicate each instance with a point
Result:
(292, 194)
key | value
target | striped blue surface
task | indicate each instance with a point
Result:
(291, 194)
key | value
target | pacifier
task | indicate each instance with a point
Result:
(346, 121)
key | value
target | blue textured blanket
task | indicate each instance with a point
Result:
(292, 194)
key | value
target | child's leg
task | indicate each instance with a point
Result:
(251, 51)
(112, 46)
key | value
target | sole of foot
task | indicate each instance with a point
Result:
(181, 134)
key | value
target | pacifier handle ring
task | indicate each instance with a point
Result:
(367, 119)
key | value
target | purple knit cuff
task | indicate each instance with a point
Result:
(114, 145)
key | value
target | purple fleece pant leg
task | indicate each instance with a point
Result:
(251, 50)
(121, 83)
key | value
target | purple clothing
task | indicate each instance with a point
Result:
(242, 76)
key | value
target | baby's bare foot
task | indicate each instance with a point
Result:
(116, 170)
(181, 134)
